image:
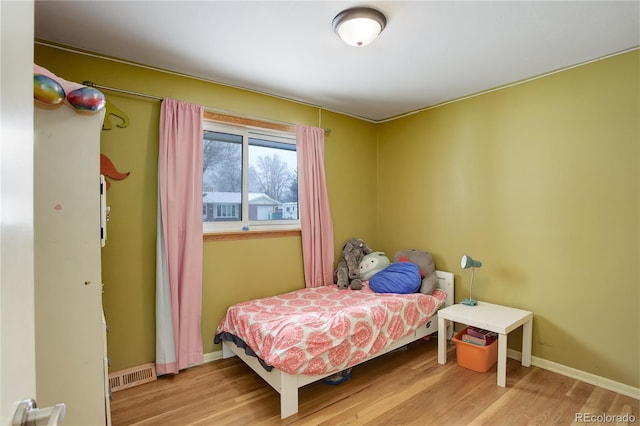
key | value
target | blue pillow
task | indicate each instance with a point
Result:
(401, 277)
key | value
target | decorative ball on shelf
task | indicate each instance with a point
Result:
(47, 91)
(87, 99)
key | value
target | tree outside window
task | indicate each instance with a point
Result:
(249, 179)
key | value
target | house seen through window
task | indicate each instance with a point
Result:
(249, 179)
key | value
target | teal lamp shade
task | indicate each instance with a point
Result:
(465, 263)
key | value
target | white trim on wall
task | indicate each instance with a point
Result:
(583, 376)
(212, 356)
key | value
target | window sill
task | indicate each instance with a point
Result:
(250, 235)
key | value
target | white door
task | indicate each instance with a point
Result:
(264, 212)
(17, 232)
(17, 342)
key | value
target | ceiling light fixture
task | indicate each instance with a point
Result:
(359, 26)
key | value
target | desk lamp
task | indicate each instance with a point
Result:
(467, 262)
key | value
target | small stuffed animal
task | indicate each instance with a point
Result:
(349, 264)
(425, 262)
(372, 263)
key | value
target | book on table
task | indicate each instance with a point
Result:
(478, 336)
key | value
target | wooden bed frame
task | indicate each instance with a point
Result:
(287, 385)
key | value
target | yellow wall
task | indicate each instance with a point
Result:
(233, 270)
(541, 182)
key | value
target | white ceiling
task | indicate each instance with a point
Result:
(429, 53)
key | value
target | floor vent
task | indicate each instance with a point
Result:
(131, 377)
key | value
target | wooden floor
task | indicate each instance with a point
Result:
(405, 387)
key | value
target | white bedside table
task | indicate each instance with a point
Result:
(496, 318)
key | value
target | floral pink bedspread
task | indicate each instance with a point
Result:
(322, 330)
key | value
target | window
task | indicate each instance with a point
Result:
(249, 179)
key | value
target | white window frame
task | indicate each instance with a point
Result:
(244, 224)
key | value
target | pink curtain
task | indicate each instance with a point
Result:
(315, 214)
(179, 242)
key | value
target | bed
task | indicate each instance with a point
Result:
(333, 330)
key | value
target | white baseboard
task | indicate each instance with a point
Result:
(583, 376)
(212, 356)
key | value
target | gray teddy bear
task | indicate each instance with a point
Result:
(349, 264)
(427, 266)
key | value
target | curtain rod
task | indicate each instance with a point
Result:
(228, 116)
(113, 89)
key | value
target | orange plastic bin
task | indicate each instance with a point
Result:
(475, 357)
